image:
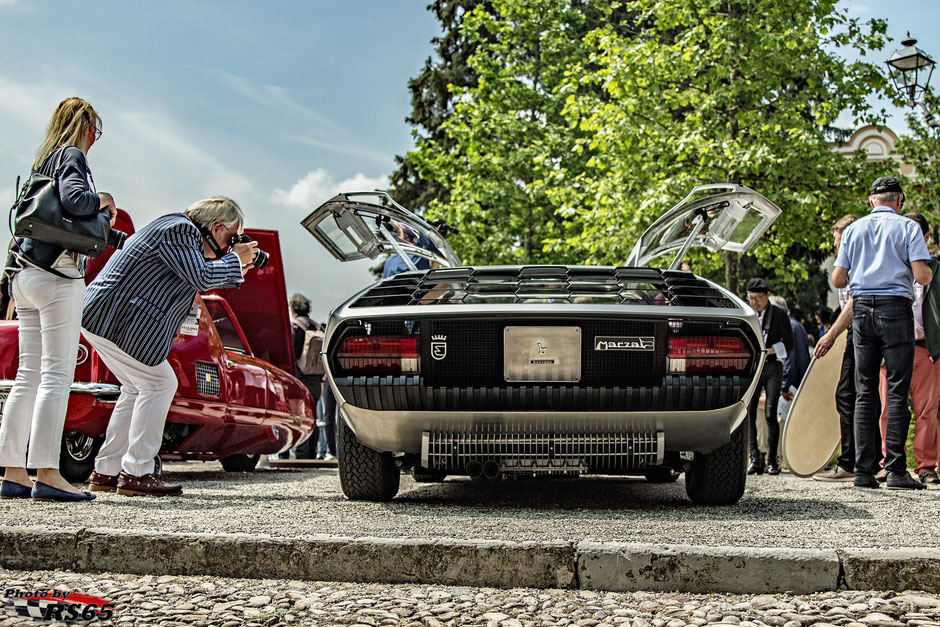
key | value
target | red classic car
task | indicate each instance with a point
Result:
(237, 399)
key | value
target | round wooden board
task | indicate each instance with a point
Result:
(811, 434)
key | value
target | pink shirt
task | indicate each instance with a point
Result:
(918, 311)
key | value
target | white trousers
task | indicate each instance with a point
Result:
(135, 430)
(49, 309)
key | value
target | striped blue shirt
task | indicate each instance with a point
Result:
(141, 297)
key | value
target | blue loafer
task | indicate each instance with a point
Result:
(43, 492)
(14, 490)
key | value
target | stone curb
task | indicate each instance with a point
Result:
(615, 567)
(631, 567)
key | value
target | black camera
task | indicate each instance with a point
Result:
(261, 258)
(116, 238)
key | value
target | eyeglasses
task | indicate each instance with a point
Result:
(97, 132)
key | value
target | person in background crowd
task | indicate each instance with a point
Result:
(844, 470)
(925, 382)
(300, 322)
(132, 313)
(47, 288)
(823, 321)
(396, 265)
(326, 422)
(797, 361)
(880, 257)
(778, 337)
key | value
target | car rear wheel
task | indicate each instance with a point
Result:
(718, 478)
(364, 474)
(77, 456)
(661, 475)
(240, 462)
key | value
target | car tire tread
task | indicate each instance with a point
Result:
(364, 473)
(719, 477)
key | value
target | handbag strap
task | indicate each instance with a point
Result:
(23, 256)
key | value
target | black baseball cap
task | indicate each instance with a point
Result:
(886, 184)
(758, 285)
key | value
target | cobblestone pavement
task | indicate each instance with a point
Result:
(782, 511)
(171, 601)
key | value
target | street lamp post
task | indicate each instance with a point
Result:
(910, 68)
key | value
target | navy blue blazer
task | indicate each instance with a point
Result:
(142, 295)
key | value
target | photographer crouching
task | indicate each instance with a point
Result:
(132, 313)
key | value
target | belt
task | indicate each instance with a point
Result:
(882, 300)
(921, 343)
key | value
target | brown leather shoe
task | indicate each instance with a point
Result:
(102, 483)
(147, 485)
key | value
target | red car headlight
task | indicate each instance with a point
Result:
(380, 354)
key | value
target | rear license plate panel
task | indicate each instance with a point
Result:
(542, 354)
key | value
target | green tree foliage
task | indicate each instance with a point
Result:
(727, 91)
(509, 160)
(432, 101)
(921, 149)
(587, 119)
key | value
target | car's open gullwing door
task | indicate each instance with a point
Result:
(722, 216)
(359, 225)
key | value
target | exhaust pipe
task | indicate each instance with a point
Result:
(474, 470)
(491, 470)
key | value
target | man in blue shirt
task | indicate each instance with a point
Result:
(885, 253)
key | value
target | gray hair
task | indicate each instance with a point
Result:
(300, 305)
(208, 211)
(779, 301)
(886, 198)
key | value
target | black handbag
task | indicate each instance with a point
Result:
(40, 216)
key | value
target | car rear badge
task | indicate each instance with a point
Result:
(629, 343)
(438, 347)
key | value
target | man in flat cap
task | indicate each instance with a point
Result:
(778, 338)
(880, 257)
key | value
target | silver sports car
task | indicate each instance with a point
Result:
(497, 371)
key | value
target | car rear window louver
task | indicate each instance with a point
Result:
(545, 284)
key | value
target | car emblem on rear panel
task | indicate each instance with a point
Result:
(438, 347)
(628, 343)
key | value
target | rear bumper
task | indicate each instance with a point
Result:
(402, 431)
(103, 392)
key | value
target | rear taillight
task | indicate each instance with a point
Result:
(380, 354)
(707, 355)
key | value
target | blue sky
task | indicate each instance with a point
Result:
(276, 104)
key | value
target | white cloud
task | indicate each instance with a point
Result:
(319, 186)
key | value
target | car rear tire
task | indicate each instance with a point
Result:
(77, 456)
(364, 474)
(240, 462)
(661, 475)
(719, 477)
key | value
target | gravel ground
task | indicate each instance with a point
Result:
(782, 511)
(170, 600)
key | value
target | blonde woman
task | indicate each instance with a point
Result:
(49, 309)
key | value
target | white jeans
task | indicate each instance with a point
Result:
(135, 430)
(49, 309)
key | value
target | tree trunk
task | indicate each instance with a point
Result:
(731, 271)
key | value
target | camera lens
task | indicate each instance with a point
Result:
(261, 259)
(116, 238)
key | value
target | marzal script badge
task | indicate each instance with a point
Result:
(628, 343)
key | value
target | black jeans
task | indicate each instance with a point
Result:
(771, 377)
(845, 404)
(883, 328)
